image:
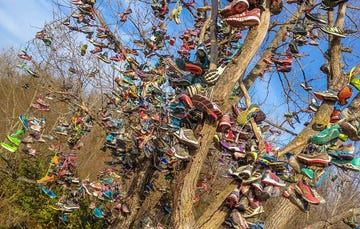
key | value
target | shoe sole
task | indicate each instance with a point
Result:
(243, 21)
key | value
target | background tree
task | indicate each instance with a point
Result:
(85, 83)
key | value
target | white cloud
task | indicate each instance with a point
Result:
(21, 19)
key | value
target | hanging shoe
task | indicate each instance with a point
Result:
(246, 115)
(248, 18)
(333, 31)
(9, 147)
(235, 7)
(187, 137)
(326, 135)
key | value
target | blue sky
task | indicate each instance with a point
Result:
(21, 19)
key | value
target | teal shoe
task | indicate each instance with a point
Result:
(98, 213)
(48, 192)
(326, 135)
(354, 164)
(308, 172)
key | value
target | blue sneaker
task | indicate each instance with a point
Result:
(48, 192)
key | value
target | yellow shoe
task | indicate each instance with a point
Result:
(46, 179)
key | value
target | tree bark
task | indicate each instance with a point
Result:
(185, 190)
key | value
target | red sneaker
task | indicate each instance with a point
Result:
(248, 18)
(305, 191)
(319, 159)
(235, 7)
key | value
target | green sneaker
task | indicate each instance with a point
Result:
(343, 137)
(18, 133)
(14, 140)
(9, 147)
(356, 83)
(333, 31)
(308, 172)
(354, 164)
(326, 135)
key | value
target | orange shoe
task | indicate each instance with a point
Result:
(46, 179)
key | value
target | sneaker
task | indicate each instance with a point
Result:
(203, 103)
(186, 100)
(326, 135)
(248, 18)
(284, 68)
(326, 96)
(308, 172)
(235, 7)
(195, 89)
(180, 152)
(333, 31)
(344, 95)
(46, 179)
(282, 61)
(356, 83)
(270, 178)
(253, 212)
(14, 140)
(335, 116)
(354, 164)
(246, 115)
(298, 201)
(305, 191)
(8, 147)
(48, 192)
(42, 102)
(350, 130)
(104, 57)
(319, 159)
(243, 172)
(187, 137)
(306, 87)
(316, 17)
(224, 124)
(27, 139)
(293, 162)
(233, 199)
